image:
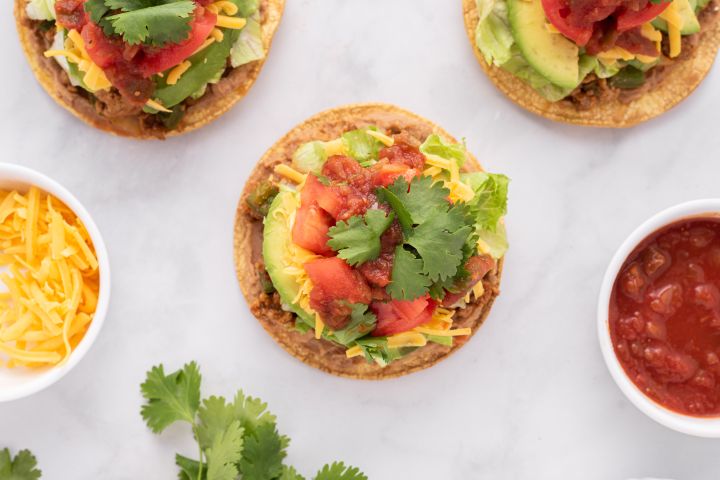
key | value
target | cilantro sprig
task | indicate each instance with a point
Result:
(236, 439)
(149, 22)
(435, 232)
(357, 240)
(21, 467)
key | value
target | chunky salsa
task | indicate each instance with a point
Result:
(665, 316)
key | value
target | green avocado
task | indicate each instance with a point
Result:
(686, 9)
(276, 235)
(553, 56)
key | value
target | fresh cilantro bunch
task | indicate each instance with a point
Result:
(149, 22)
(22, 467)
(435, 232)
(236, 439)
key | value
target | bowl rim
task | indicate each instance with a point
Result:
(697, 426)
(46, 378)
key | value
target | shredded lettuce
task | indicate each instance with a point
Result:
(434, 145)
(361, 146)
(41, 9)
(249, 45)
(493, 36)
(488, 207)
(310, 157)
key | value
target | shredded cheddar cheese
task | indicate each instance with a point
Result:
(675, 24)
(76, 53)
(355, 351)
(407, 339)
(50, 271)
(234, 23)
(334, 147)
(290, 173)
(177, 72)
(155, 104)
(217, 34)
(382, 138)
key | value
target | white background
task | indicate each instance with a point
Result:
(528, 398)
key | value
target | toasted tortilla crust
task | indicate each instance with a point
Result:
(685, 76)
(218, 99)
(322, 354)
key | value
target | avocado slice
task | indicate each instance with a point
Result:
(276, 237)
(552, 55)
(686, 9)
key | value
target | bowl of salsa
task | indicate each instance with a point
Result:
(659, 317)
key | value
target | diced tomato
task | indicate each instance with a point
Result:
(404, 154)
(335, 287)
(340, 168)
(557, 12)
(327, 197)
(378, 272)
(159, 60)
(399, 316)
(103, 51)
(628, 19)
(311, 229)
(477, 267)
(386, 173)
(71, 14)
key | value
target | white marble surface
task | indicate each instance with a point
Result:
(528, 398)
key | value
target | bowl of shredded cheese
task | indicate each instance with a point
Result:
(54, 281)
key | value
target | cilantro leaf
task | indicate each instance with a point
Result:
(170, 398)
(489, 204)
(189, 468)
(156, 25)
(403, 215)
(439, 242)
(214, 415)
(422, 198)
(362, 322)
(263, 454)
(289, 473)
(22, 467)
(361, 146)
(407, 281)
(225, 452)
(434, 145)
(96, 9)
(338, 471)
(251, 412)
(358, 241)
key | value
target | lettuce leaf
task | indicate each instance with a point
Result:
(361, 146)
(310, 157)
(249, 45)
(493, 243)
(493, 36)
(41, 9)
(435, 145)
(488, 207)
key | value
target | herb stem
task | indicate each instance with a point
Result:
(200, 451)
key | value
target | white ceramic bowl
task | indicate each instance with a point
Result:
(20, 382)
(699, 426)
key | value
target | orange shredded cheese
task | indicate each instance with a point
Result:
(50, 271)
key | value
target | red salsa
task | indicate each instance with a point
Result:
(665, 316)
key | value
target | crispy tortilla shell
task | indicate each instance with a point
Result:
(684, 76)
(322, 354)
(218, 99)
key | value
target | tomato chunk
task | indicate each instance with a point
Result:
(399, 316)
(336, 286)
(311, 227)
(628, 19)
(557, 12)
(71, 14)
(327, 197)
(386, 173)
(404, 154)
(477, 267)
(160, 59)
